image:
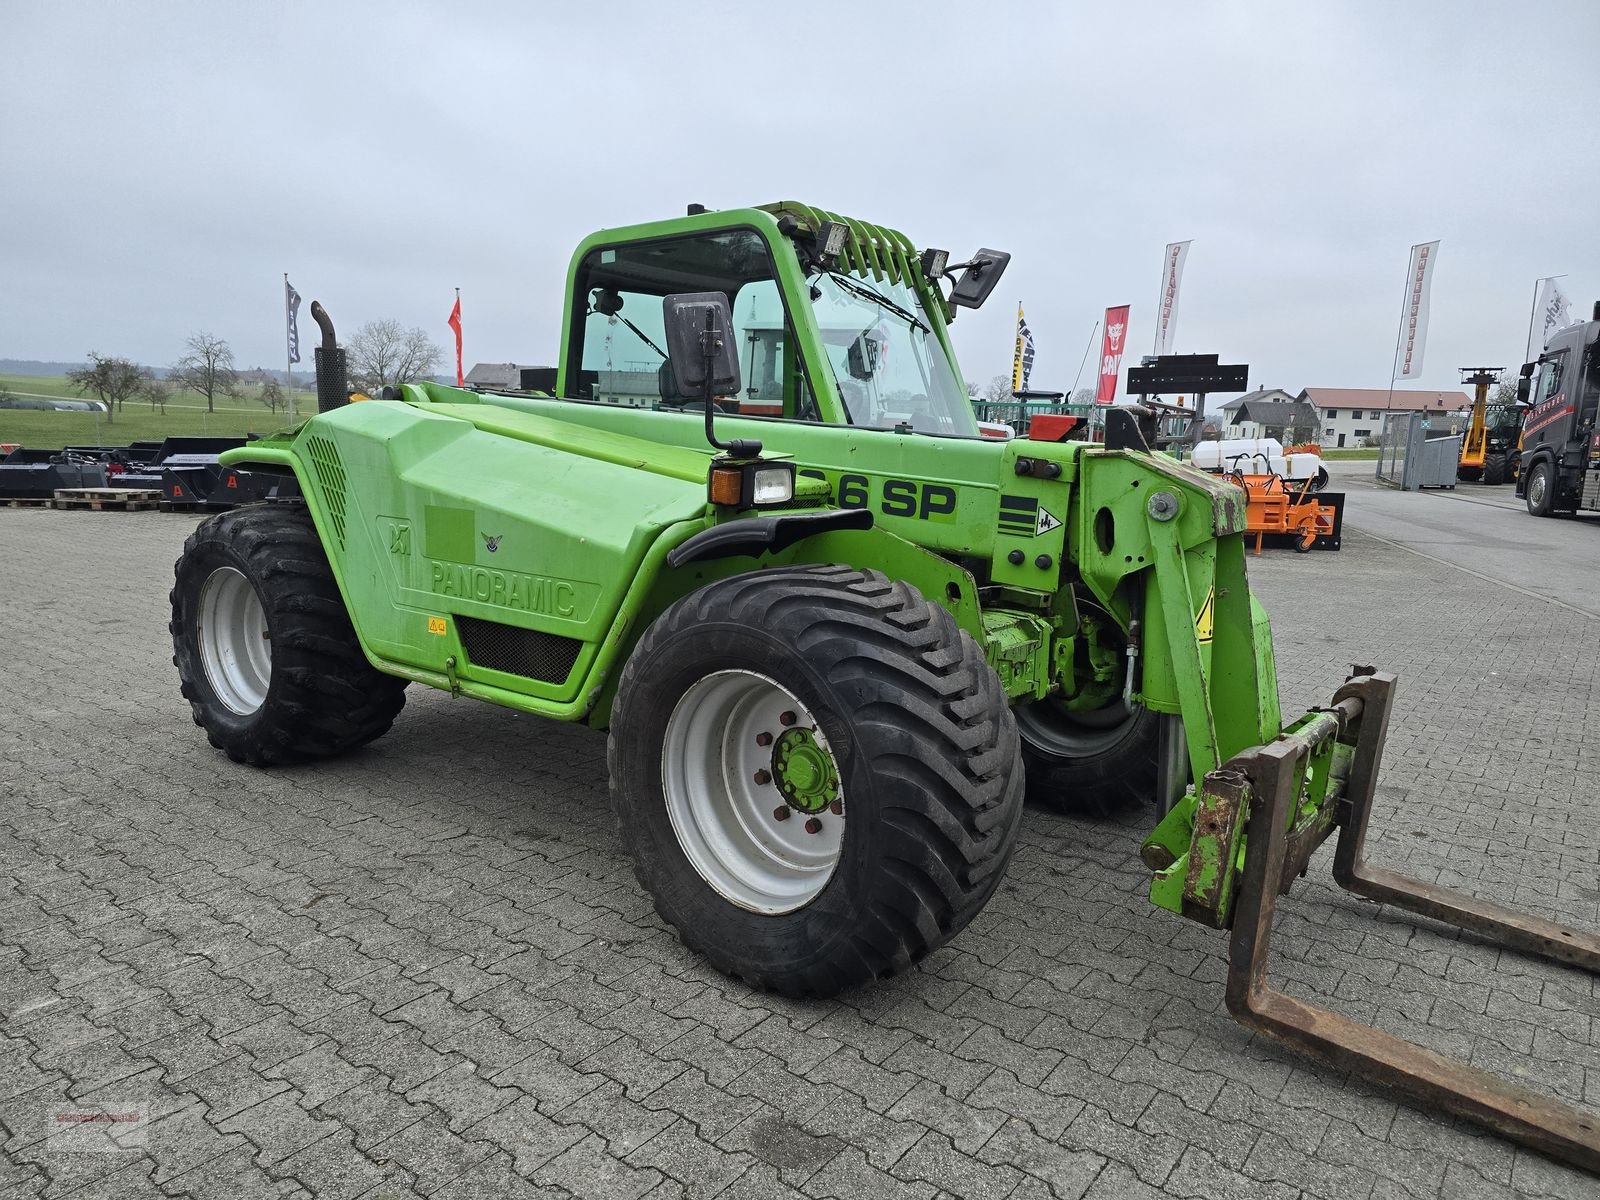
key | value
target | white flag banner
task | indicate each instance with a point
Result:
(1550, 312)
(1414, 312)
(1167, 310)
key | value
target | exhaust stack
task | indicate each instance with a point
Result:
(333, 381)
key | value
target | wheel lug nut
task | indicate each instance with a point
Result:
(763, 777)
(837, 808)
(813, 825)
(787, 718)
(781, 813)
(763, 739)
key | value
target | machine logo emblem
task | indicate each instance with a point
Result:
(493, 543)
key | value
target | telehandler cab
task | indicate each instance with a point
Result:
(830, 645)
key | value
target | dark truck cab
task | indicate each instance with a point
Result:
(1560, 443)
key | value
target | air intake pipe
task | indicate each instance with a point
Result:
(333, 380)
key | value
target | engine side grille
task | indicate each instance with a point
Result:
(547, 657)
(330, 475)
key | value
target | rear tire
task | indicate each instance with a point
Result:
(265, 651)
(1469, 474)
(1097, 769)
(918, 745)
(1495, 470)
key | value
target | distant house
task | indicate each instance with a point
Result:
(1270, 412)
(1352, 415)
(511, 377)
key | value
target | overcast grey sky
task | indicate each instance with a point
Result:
(165, 163)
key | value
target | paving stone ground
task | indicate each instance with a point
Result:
(426, 969)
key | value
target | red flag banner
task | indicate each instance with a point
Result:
(455, 324)
(1111, 345)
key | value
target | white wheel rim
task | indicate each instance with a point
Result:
(234, 645)
(724, 816)
(1536, 488)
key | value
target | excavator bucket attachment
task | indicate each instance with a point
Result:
(1272, 784)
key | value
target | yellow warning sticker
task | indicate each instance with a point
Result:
(436, 625)
(1205, 620)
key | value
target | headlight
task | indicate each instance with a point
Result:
(773, 485)
(742, 485)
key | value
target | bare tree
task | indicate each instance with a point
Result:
(207, 369)
(155, 391)
(1505, 389)
(384, 352)
(998, 390)
(114, 381)
(272, 394)
(1083, 396)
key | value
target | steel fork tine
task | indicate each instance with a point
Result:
(1552, 1127)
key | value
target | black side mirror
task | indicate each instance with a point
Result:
(1524, 386)
(862, 358)
(978, 280)
(703, 358)
(700, 344)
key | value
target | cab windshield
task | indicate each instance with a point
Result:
(890, 369)
(1502, 416)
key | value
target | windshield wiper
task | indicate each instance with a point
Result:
(873, 296)
(642, 335)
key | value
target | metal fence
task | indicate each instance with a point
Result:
(1409, 459)
(1020, 413)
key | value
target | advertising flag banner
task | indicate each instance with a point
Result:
(1167, 311)
(1551, 311)
(291, 309)
(1414, 312)
(1116, 337)
(1022, 357)
(455, 324)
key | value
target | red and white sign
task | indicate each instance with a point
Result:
(1414, 313)
(1167, 311)
(1111, 353)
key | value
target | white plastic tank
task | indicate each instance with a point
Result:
(1304, 466)
(1251, 456)
(1254, 456)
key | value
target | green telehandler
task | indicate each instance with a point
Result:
(832, 630)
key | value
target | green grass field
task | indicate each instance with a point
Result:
(1358, 452)
(185, 416)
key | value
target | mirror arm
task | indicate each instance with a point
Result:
(739, 447)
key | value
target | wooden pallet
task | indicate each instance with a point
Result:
(108, 499)
(27, 501)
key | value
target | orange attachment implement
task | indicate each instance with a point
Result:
(1282, 506)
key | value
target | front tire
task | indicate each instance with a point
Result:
(1496, 470)
(864, 716)
(1541, 494)
(265, 651)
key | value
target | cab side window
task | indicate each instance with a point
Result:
(1550, 378)
(619, 346)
